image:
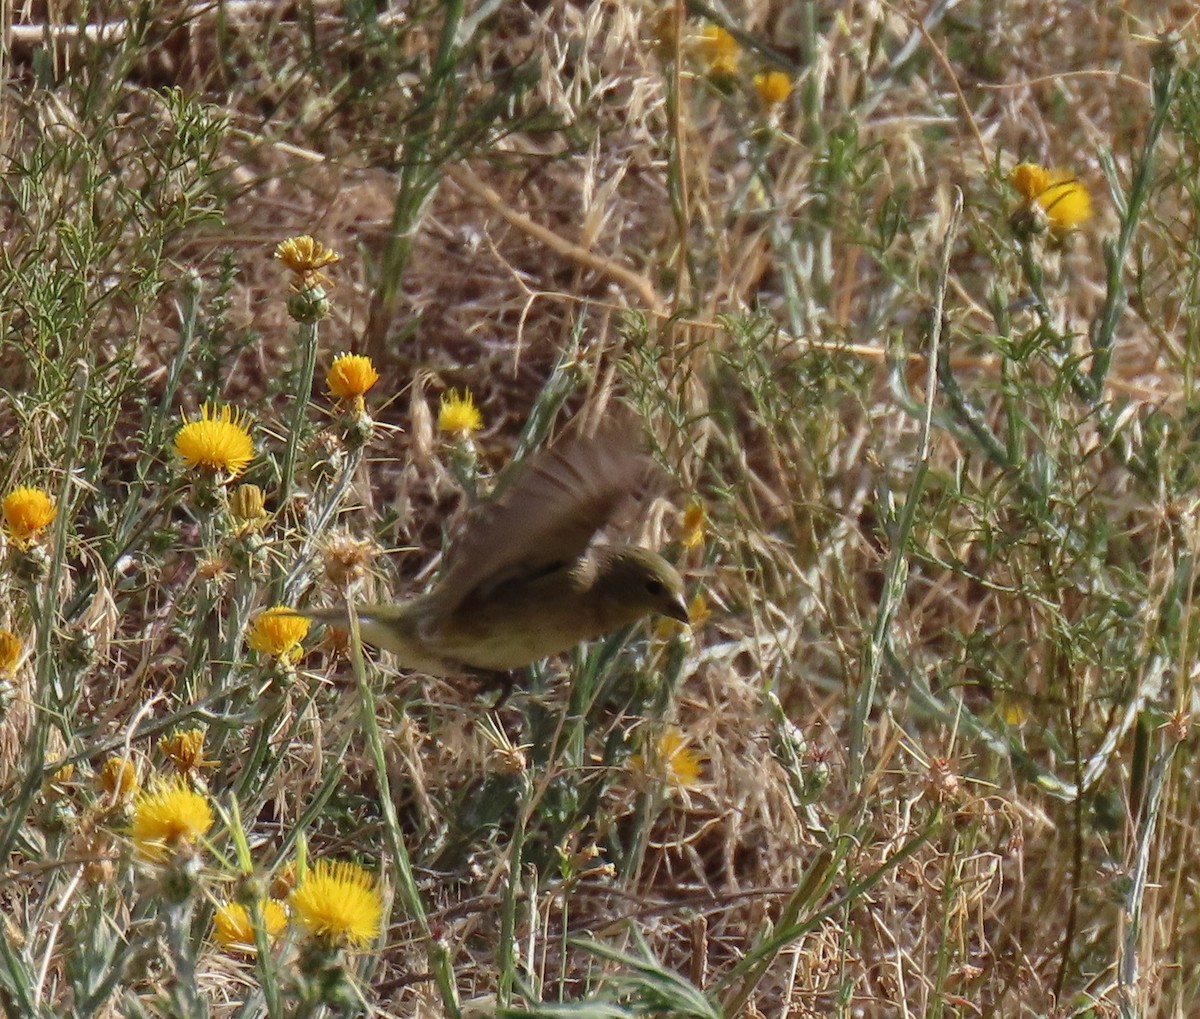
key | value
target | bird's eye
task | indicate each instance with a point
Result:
(655, 588)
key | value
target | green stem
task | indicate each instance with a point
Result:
(896, 575)
(410, 894)
(306, 335)
(420, 173)
(506, 962)
(44, 609)
(1163, 82)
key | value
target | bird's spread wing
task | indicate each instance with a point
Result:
(560, 498)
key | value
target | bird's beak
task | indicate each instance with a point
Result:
(677, 610)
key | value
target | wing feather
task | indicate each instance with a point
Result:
(549, 514)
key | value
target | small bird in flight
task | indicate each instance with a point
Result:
(524, 579)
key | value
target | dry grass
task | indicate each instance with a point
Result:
(943, 695)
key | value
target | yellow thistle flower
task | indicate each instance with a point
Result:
(722, 71)
(694, 519)
(234, 929)
(1029, 179)
(305, 254)
(169, 815)
(672, 758)
(1012, 710)
(27, 512)
(350, 377)
(720, 51)
(218, 440)
(1067, 204)
(10, 652)
(773, 87)
(1060, 197)
(185, 750)
(458, 415)
(698, 612)
(339, 902)
(306, 257)
(278, 632)
(118, 778)
(248, 507)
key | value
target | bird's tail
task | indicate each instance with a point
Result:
(384, 626)
(337, 615)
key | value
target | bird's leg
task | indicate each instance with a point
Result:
(507, 679)
(493, 677)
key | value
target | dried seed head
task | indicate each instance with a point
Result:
(347, 559)
(942, 783)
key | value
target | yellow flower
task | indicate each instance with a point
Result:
(306, 257)
(185, 750)
(693, 526)
(773, 87)
(350, 377)
(1029, 179)
(672, 758)
(234, 928)
(167, 816)
(10, 652)
(458, 415)
(720, 49)
(118, 778)
(248, 507)
(698, 612)
(64, 774)
(278, 632)
(1061, 197)
(1012, 710)
(339, 902)
(27, 512)
(218, 440)
(1067, 204)
(681, 762)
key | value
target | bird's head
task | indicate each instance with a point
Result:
(641, 582)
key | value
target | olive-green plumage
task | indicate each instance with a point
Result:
(524, 581)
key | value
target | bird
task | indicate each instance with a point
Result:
(525, 579)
